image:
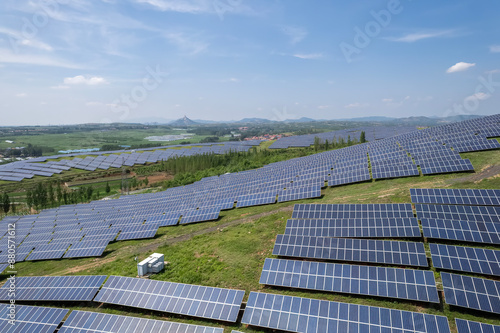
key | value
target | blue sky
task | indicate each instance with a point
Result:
(81, 61)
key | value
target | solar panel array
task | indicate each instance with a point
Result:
(466, 259)
(306, 315)
(355, 228)
(471, 292)
(399, 283)
(351, 211)
(466, 231)
(468, 326)
(460, 213)
(455, 196)
(31, 319)
(92, 322)
(203, 200)
(17, 171)
(347, 249)
(54, 288)
(191, 300)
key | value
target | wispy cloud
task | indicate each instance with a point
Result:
(413, 37)
(90, 81)
(17, 39)
(60, 87)
(495, 48)
(296, 34)
(21, 95)
(460, 67)
(309, 56)
(479, 96)
(189, 44)
(181, 6)
(7, 56)
(356, 105)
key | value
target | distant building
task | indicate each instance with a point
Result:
(9, 141)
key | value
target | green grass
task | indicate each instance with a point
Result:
(232, 256)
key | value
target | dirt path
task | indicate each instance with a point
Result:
(164, 240)
(487, 172)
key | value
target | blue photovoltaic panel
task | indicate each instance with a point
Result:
(463, 213)
(455, 196)
(87, 248)
(466, 259)
(164, 220)
(471, 292)
(291, 194)
(355, 228)
(191, 300)
(92, 322)
(351, 211)
(466, 231)
(54, 288)
(200, 215)
(49, 251)
(3, 267)
(467, 326)
(433, 167)
(138, 231)
(31, 319)
(400, 283)
(305, 315)
(256, 199)
(347, 249)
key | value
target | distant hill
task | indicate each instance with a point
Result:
(300, 120)
(255, 121)
(185, 121)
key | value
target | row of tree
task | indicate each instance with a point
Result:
(5, 204)
(48, 194)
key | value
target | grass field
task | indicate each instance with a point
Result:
(230, 252)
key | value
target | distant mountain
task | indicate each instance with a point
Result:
(185, 121)
(300, 120)
(374, 118)
(255, 121)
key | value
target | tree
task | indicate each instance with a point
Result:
(146, 181)
(108, 188)
(362, 137)
(316, 144)
(59, 192)
(29, 199)
(6, 203)
(326, 145)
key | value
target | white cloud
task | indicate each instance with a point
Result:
(308, 56)
(296, 34)
(16, 38)
(59, 87)
(322, 107)
(387, 100)
(94, 104)
(80, 79)
(6, 56)
(410, 38)
(495, 48)
(21, 95)
(181, 6)
(187, 43)
(356, 105)
(459, 67)
(494, 71)
(479, 96)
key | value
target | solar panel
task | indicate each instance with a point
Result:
(467, 326)
(304, 315)
(467, 231)
(433, 167)
(92, 322)
(466, 259)
(164, 220)
(360, 250)
(463, 213)
(400, 283)
(256, 199)
(31, 319)
(191, 300)
(87, 248)
(455, 196)
(349, 211)
(138, 231)
(49, 251)
(200, 215)
(54, 288)
(298, 193)
(3, 267)
(471, 292)
(355, 228)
